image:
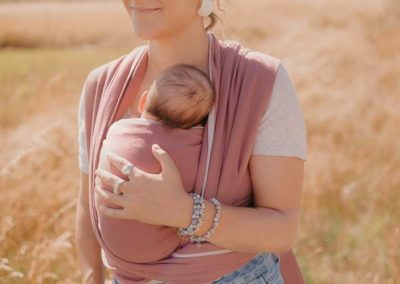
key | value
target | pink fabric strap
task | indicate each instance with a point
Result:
(243, 80)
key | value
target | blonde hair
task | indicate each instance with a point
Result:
(213, 18)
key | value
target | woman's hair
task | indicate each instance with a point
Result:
(213, 17)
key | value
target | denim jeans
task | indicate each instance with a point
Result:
(263, 268)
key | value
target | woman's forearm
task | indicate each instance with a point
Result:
(88, 250)
(246, 229)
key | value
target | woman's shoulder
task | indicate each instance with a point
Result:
(282, 130)
(106, 67)
(262, 59)
(104, 72)
(255, 59)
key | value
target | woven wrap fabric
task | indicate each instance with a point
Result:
(132, 139)
(243, 80)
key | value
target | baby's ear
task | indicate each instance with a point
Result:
(142, 101)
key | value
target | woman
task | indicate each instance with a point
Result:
(171, 26)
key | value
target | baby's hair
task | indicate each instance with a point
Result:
(181, 96)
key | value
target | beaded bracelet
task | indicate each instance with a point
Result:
(198, 210)
(215, 223)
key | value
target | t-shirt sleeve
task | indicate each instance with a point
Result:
(282, 130)
(82, 149)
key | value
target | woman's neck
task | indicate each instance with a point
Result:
(190, 46)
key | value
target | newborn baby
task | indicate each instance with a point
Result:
(173, 115)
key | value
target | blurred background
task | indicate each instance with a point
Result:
(344, 60)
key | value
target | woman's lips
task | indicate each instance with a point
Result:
(145, 10)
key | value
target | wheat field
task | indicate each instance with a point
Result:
(344, 60)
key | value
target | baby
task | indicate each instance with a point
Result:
(181, 97)
(173, 114)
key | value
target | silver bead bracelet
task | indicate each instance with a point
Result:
(198, 210)
(215, 223)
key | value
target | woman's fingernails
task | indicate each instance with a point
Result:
(156, 147)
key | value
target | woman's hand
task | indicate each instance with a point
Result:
(157, 199)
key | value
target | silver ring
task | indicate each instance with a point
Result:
(126, 170)
(117, 185)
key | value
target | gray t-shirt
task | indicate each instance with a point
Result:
(282, 130)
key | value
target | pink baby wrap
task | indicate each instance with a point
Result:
(243, 81)
(132, 138)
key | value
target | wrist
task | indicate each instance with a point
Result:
(201, 224)
(184, 214)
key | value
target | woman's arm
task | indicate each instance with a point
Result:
(88, 249)
(270, 227)
(272, 224)
(160, 199)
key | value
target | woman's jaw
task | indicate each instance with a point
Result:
(162, 19)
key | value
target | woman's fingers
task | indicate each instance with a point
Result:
(109, 196)
(113, 212)
(124, 166)
(168, 165)
(110, 179)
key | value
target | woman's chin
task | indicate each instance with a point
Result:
(146, 33)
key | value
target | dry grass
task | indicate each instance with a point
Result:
(344, 59)
(59, 25)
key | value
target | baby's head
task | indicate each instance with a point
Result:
(181, 97)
